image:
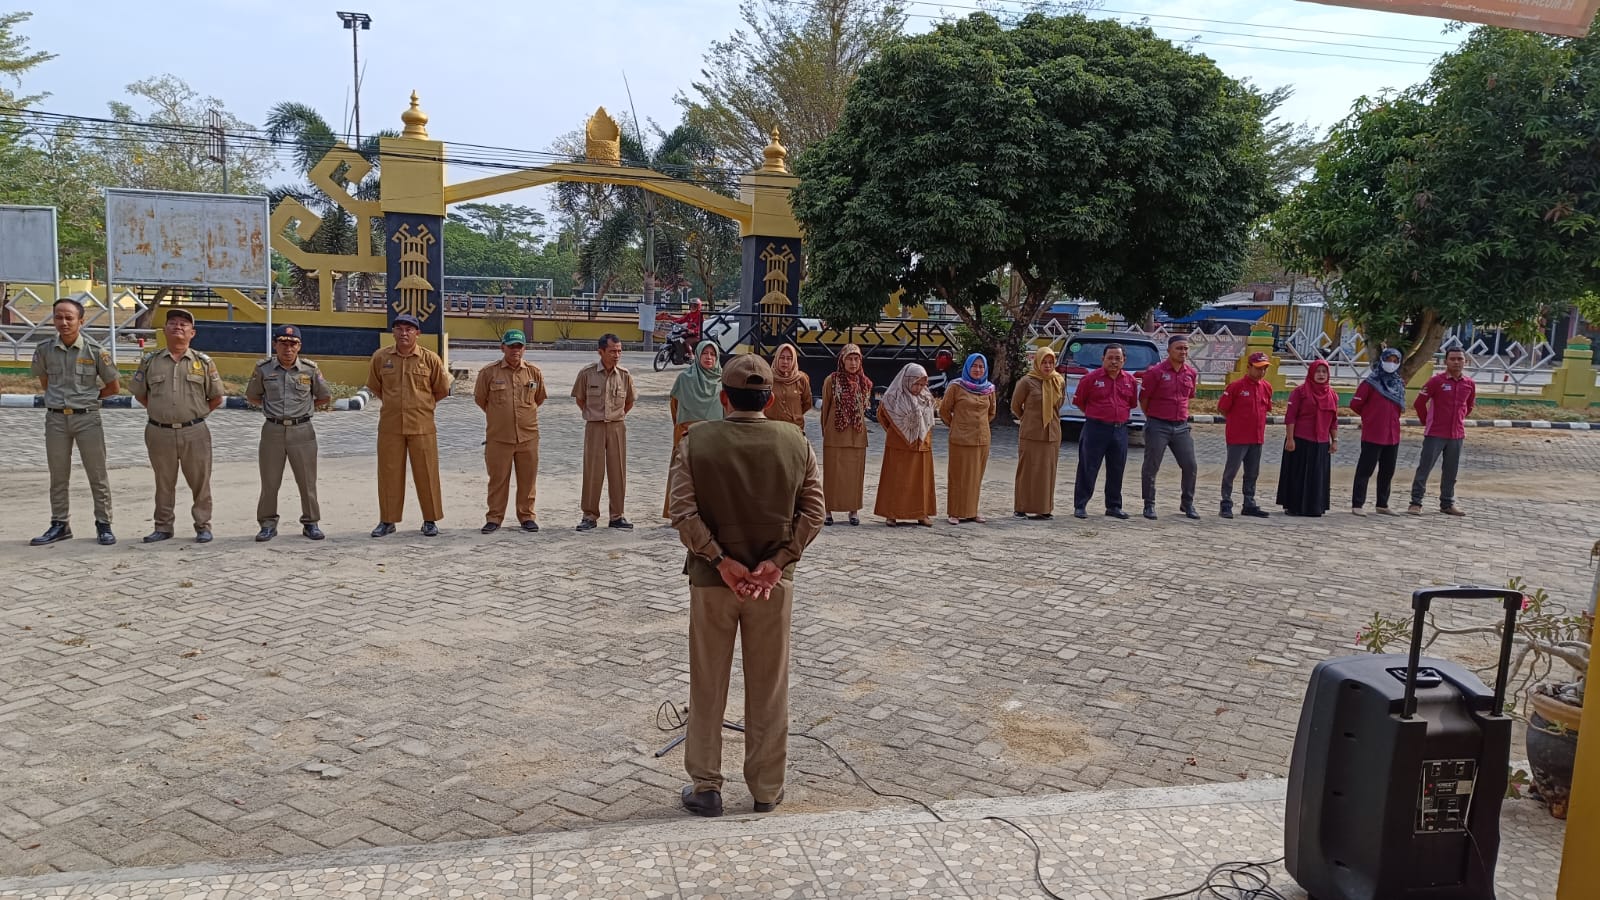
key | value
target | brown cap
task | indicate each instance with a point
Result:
(747, 371)
(181, 313)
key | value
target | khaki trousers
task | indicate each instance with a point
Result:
(61, 432)
(605, 459)
(423, 451)
(187, 449)
(500, 457)
(296, 445)
(715, 616)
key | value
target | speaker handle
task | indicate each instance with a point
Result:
(1423, 598)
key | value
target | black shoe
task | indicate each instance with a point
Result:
(768, 807)
(489, 528)
(855, 519)
(1042, 517)
(1226, 513)
(827, 519)
(1150, 511)
(1256, 512)
(621, 523)
(266, 533)
(1019, 515)
(383, 529)
(530, 526)
(1116, 513)
(312, 531)
(157, 536)
(103, 534)
(1189, 513)
(430, 530)
(1080, 513)
(704, 803)
(587, 525)
(58, 531)
(202, 536)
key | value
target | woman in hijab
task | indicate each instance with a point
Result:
(1379, 401)
(845, 396)
(968, 407)
(696, 395)
(1036, 403)
(1311, 438)
(905, 487)
(791, 389)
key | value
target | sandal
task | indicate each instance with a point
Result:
(979, 519)
(854, 520)
(891, 523)
(925, 523)
(954, 521)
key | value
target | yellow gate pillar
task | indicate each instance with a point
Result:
(412, 200)
(771, 251)
(1580, 865)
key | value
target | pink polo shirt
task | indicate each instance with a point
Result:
(1380, 416)
(1169, 390)
(1444, 404)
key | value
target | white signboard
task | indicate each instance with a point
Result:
(199, 240)
(28, 245)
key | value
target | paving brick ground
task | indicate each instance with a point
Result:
(178, 703)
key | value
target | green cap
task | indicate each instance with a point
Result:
(514, 336)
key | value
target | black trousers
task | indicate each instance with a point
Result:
(1381, 457)
(1101, 442)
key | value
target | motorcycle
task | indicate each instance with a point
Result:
(676, 351)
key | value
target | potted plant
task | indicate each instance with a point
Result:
(1549, 662)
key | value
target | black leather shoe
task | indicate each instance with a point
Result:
(1189, 513)
(103, 535)
(157, 536)
(266, 533)
(827, 519)
(383, 529)
(312, 531)
(530, 526)
(202, 536)
(489, 528)
(704, 803)
(760, 807)
(1019, 515)
(1150, 512)
(621, 523)
(1042, 517)
(429, 529)
(1226, 513)
(58, 531)
(1116, 513)
(587, 525)
(1080, 513)
(1256, 512)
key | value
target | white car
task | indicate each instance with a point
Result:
(1082, 354)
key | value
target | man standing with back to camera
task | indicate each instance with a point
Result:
(746, 499)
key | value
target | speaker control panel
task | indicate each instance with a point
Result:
(1446, 794)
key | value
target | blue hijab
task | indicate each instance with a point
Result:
(981, 388)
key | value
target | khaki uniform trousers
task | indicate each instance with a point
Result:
(715, 616)
(500, 457)
(605, 458)
(187, 449)
(296, 445)
(423, 451)
(61, 432)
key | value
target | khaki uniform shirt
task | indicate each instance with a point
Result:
(1032, 425)
(510, 401)
(407, 385)
(291, 393)
(967, 414)
(176, 390)
(606, 395)
(74, 374)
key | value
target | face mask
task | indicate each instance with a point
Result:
(1390, 367)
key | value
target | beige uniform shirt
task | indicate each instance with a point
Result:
(291, 393)
(73, 374)
(606, 395)
(408, 386)
(176, 390)
(510, 401)
(967, 414)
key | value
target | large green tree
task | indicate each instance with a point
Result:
(16, 60)
(155, 144)
(1471, 197)
(1078, 155)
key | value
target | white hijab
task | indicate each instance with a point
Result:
(912, 414)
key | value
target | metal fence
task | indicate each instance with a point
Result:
(28, 322)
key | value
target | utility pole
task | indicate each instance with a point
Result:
(356, 23)
(217, 144)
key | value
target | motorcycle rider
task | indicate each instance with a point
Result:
(694, 321)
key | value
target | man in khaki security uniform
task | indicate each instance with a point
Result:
(288, 388)
(75, 374)
(604, 393)
(410, 380)
(746, 499)
(509, 391)
(179, 386)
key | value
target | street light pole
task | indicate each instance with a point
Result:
(356, 23)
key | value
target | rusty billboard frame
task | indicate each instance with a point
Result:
(21, 236)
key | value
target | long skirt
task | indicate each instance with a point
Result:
(1303, 481)
(1035, 492)
(905, 487)
(964, 478)
(678, 431)
(844, 477)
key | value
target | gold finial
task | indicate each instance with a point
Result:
(415, 119)
(775, 155)
(602, 139)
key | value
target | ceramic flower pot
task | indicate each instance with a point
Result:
(1552, 748)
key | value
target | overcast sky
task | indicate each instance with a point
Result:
(518, 73)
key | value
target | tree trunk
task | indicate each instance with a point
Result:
(1424, 343)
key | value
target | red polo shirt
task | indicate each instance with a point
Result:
(1444, 404)
(1380, 416)
(1107, 399)
(1168, 390)
(1246, 404)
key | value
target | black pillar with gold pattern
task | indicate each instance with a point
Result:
(769, 288)
(414, 247)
